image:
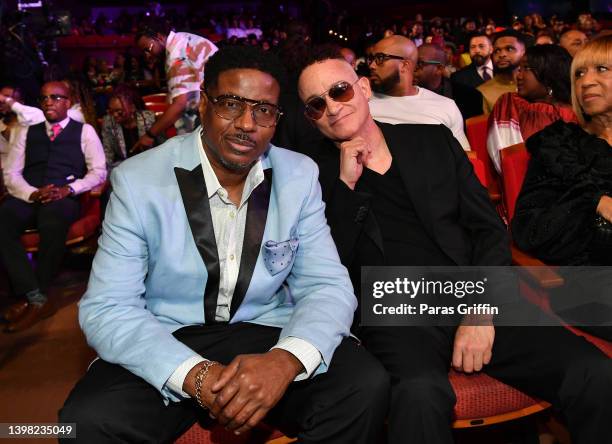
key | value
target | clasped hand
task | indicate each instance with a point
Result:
(49, 193)
(240, 394)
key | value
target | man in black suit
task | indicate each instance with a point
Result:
(481, 68)
(407, 195)
(465, 81)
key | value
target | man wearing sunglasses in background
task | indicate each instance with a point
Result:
(406, 195)
(48, 166)
(429, 72)
(397, 99)
(217, 283)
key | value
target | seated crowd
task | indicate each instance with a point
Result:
(228, 270)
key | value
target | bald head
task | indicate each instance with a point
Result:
(428, 51)
(58, 86)
(573, 41)
(397, 45)
(349, 56)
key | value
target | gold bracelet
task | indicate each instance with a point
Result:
(199, 380)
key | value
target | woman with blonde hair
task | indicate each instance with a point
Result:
(564, 211)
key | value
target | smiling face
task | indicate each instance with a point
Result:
(234, 145)
(340, 120)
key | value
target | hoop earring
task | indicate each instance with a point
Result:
(549, 91)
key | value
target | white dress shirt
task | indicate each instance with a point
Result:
(92, 150)
(6, 144)
(229, 222)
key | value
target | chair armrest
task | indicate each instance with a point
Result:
(534, 270)
(99, 189)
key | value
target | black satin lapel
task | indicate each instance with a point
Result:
(257, 214)
(195, 199)
(409, 153)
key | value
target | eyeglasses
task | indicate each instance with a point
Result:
(381, 57)
(53, 97)
(231, 107)
(421, 63)
(339, 92)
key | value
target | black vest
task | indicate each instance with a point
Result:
(57, 162)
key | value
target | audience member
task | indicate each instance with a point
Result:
(186, 55)
(543, 81)
(573, 40)
(50, 164)
(380, 216)
(466, 80)
(430, 70)
(180, 220)
(397, 100)
(124, 124)
(564, 211)
(508, 48)
(9, 123)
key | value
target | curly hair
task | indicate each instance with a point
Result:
(551, 66)
(243, 57)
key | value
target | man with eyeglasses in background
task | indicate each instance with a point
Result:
(185, 56)
(217, 285)
(397, 99)
(49, 164)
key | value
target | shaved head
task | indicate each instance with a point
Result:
(392, 73)
(397, 45)
(57, 86)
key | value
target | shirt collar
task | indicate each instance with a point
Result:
(62, 123)
(253, 179)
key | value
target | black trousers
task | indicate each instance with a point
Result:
(347, 404)
(52, 220)
(548, 362)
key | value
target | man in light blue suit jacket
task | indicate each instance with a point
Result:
(217, 283)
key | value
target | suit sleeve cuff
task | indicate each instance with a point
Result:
(304, 351)
(176, 379)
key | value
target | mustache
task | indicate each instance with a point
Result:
(241, 137)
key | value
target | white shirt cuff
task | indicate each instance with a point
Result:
(304, 351)
(176, 380)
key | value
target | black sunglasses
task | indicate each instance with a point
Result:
(381, 57)
(339, 92)
(53, 97)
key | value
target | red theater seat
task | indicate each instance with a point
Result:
(476, 131)
(86, 226)
(155, 98)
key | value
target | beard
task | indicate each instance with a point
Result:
(479, 60)
(506, 70)
(384, 86)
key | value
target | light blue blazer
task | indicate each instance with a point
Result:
(156, 268)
